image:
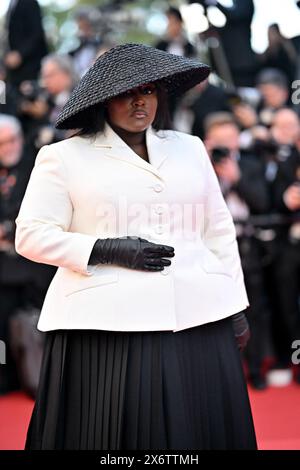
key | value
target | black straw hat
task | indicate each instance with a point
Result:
(125, 67)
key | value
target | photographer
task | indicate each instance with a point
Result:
(274, 89)
(245, 190)
(58, 77)
(88, 38)
(22, 283)
(258, 108)
(40, 104)
(32, 110)
(286, 324)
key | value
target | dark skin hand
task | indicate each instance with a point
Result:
(131, 113)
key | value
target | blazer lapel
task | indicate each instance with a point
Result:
(115, 147)
(156, 150)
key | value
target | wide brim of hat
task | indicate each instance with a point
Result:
(125, 67)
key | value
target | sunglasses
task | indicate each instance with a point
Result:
(142, 90)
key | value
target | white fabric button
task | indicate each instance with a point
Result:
(159, 229)
(158, 188)
(159, 209)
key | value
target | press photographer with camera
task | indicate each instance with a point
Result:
(241, 177)
(286, 188)
(22, 283)
(41, 101)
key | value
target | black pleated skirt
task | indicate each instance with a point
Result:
(107, 390)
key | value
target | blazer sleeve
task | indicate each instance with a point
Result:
(45, 217)
(219, 229)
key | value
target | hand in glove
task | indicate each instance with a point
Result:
(131, 252)
(241, 330)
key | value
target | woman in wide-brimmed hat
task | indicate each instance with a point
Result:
(143, 318)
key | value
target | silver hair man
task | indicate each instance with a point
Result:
(10, 121)
(64, 63)
(11, 140)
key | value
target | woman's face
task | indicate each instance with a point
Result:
(134, 110)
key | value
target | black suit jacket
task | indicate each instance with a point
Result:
(236, 34)
(252, 186)
(26, 35)
(288, 172)
(189, 50)
(210, 100)
(236, 41)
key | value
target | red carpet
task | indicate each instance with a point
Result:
(15, 412)
(276, 415)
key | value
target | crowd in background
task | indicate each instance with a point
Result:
(247, 114)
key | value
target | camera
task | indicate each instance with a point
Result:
(266, 149)
(30, 90)
(219, 153)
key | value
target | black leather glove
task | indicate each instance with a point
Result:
(241, 329)
(131, 252)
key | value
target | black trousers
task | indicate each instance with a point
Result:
(256, 263)
(286, 321)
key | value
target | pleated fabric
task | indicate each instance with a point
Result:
(107, 390)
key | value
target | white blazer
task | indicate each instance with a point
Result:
(81, 189)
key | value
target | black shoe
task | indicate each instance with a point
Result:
(258, 382)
